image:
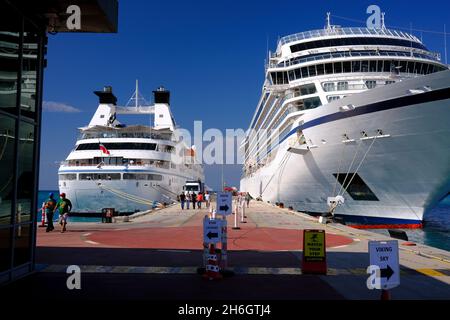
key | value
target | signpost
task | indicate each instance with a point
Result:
(314, 252)
(224, 203)
(384, 255)
(215, 231)
(212, 230)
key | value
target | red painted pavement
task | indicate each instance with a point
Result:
(265, 239)
(189, 235)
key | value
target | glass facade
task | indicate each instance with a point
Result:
(21, 65)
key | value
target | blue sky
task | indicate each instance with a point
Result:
(209, 54)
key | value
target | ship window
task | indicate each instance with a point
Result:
(328, 68)
(380, 66)
(370, 84)
(291, 75)
(312, 71)
(357, 188)
(347, 67)
(308, 89)
(99, 176)
(333, 98)
(297, 74)
(355, 41)
(142, 176)
(329, 86)
(68, 176)
(364, 66)
(117, 146)
(338, 67)
(432, 68)
(390, 81)
(342, 85)
(312, 103)
(304, 72)
(403, 65)
(356, 66)
(417, 68)
(320, 69)
(373, 66)
(387, 66)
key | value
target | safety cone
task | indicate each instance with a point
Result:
(43, 216)
(212, 266)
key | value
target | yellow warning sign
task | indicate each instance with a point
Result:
(314, 245)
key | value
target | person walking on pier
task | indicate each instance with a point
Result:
(182, 200)
(248, 197)
(193, 199)
(64, 206)
(188, 199)
(199, 200)
(49, 207)
(207, 199)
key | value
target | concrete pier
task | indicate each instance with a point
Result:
(155, 256)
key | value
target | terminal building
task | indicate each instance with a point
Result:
(24, 26)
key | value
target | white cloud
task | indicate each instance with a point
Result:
(52, 106)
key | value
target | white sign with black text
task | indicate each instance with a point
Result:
(384, 260)
(224, 203)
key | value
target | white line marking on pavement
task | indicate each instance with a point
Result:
(345, 245)
(91, 242)
(87, 234)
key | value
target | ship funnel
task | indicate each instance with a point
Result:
(161, 95)
(106, 96)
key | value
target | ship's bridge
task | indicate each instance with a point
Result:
(317, 38)
(133, 131)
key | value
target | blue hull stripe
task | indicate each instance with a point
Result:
(364, 220)
(431, 96)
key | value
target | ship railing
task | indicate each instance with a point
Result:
(345, 31)
(138, 164)
(351, 54)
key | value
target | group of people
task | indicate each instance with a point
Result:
(62, 205)
(186, 198)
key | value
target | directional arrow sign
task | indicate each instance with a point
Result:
(224, 203)
(384, 254)
(387, 272)
(212, 230)
(211, 235)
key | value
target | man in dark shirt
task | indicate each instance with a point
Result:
(49, 208)
(182, 200)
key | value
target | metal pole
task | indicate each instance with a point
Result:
(205, 248)
(223, 185)
(242, 206)
(224, 256)
(445, 42)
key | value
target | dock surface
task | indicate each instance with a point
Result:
(156, 256)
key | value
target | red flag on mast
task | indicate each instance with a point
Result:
(103, 149)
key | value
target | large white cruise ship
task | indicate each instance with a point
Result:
(128, 168)
(358, 126)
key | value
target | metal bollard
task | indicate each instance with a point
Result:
(236, 213)
(242, 212)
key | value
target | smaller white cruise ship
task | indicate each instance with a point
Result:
(127, 167)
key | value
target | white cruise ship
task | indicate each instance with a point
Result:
(357, 126)
(128, 168)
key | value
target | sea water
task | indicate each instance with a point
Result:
(43, 196)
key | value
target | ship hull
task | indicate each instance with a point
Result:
(407, 170)
(89, 197)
